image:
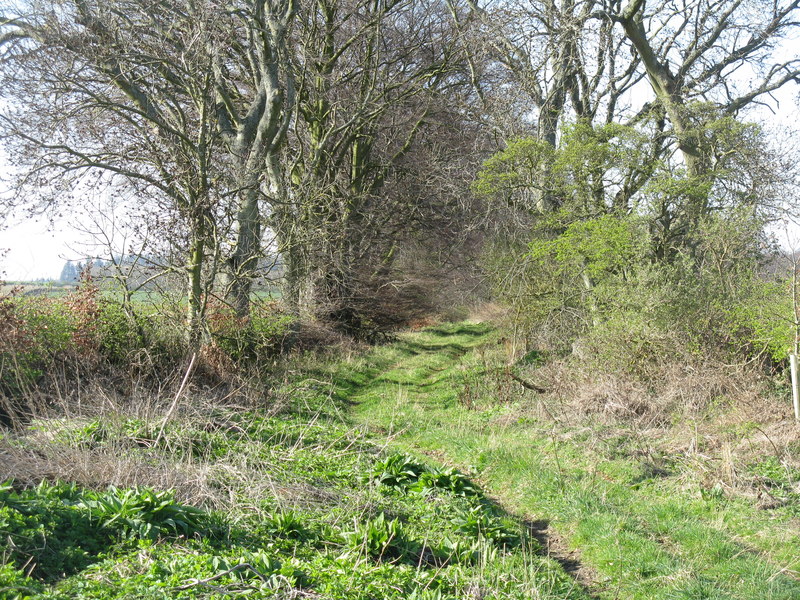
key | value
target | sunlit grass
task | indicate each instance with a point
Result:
(642, 533)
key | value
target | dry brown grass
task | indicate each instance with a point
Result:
(40, 449)
(714, 420)
(101, 467)
(489, 312)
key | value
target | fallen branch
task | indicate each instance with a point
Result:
(175, 400)
(526, 384)
(204, 582)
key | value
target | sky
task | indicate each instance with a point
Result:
(33, 248)
(36, 250)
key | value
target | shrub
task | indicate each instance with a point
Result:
(259, 336)
(119, 334)
(35, 332)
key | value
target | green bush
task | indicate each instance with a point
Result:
(16, 585)
(35, 331)
(257, 337)
(119, 334)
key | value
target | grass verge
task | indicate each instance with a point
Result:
(642, 526)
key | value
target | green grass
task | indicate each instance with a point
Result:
(409, 471)
(303, 502)
(642, 532)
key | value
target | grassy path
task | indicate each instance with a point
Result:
(639, 534)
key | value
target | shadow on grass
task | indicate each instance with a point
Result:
(344, 387)
(553, 547)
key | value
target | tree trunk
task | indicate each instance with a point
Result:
(243, 263)
(666, 89)
(195, 315)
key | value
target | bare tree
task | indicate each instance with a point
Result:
(368, 76)
(692, 50)
(184, 103)
(89, 105)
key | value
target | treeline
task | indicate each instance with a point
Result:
(323, 131)
(622, 194)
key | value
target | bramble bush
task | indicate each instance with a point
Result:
(259, 336)
(91, 331)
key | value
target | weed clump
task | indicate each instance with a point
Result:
(53, 530)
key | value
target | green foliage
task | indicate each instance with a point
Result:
(285, 524)
(259, 336)
(50, 324)
(117, 433)
(478, 522)
(449, 480)
(142, 513)
(628, 235)
(466, 551)
(119, 333)
(775, 474)
(378, 538)
(34, 331)
(514, 169)
(397, 471)
(43, 528)
(260, 568)
(81, 326)
(586, 175)
(59, 528)
(403, 472)
(15, 584)
(598, 247)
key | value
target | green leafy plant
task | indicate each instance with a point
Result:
(477, 522)
(445, 479)
(397, 471)
(42, 528)
(466, 551)
(286, 524)
(378, 538)
(143, 513)
(119, 333)
(15, 584)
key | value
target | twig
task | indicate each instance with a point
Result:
(175, 400)
(195, 582)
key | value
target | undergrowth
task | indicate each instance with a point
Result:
(394, 473)
(285, 502)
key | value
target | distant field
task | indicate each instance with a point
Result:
(28, 288)
(57, 289)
